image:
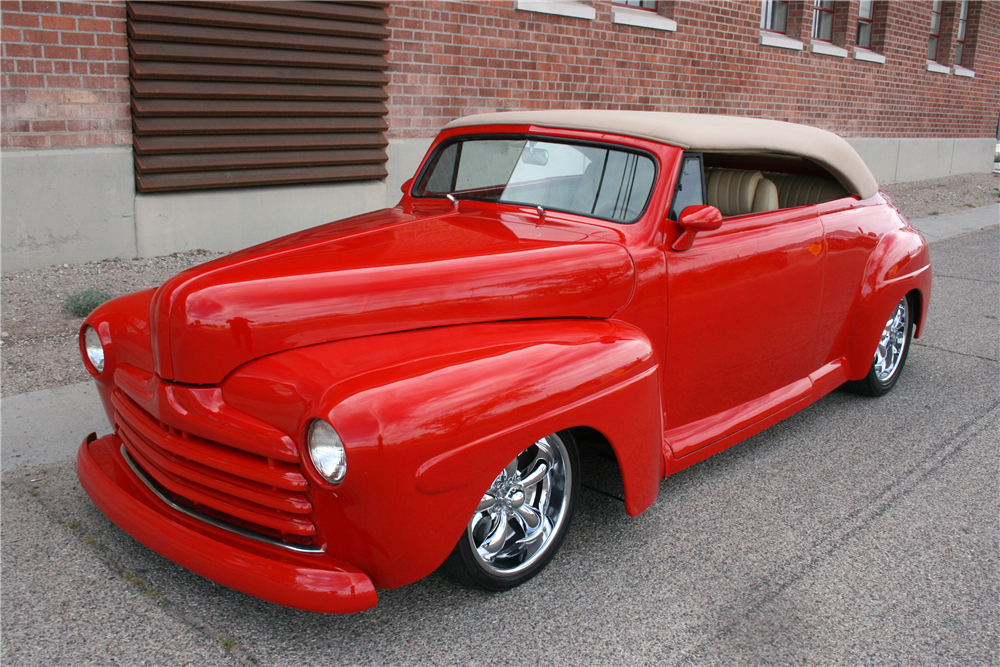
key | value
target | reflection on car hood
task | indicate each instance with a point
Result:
(382, 272)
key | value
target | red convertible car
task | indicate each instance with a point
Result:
(356, 405)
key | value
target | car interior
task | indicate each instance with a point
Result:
(745, 183)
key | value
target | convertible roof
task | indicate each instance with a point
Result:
(706, 132)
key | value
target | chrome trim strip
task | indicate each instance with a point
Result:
(211, 520)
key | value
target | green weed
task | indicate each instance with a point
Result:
(82, 302)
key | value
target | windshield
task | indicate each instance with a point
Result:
(594, 180)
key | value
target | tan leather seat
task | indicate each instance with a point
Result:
(766, 197)
(795, 190)
(739, 192)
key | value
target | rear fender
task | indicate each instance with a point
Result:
(429, 418)
(899, 265)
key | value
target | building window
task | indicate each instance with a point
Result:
(932, 45)
(774, 16)
(823, 20)
(865, 14)
(644, 14)
(649, 5)
(963, 19)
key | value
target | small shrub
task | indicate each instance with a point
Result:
(81, 303)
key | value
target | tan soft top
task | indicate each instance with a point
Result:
(706, 132)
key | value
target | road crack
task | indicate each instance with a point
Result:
(975, 280)
(964, 354)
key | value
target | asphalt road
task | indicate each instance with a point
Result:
(859, 531)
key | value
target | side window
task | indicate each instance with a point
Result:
(690, 186)
(742, 184)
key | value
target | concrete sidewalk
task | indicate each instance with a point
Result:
(48, 425)
(939, 227)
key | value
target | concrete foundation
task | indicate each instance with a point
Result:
(234, 218)
(901, 160)
(60, 206)
(78, 205)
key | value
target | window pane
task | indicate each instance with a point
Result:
(865, 35)
(865, 10)
(823, 26)
(959, 50)
(442, 175)
(774, 15)
(588, 180)
(689, 190)
(644, 4)
(932, 49)
(486, 163)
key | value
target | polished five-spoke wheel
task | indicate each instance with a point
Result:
(522, 518)
(890, 354)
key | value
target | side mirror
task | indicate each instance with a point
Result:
(405, 187)
(694, 219)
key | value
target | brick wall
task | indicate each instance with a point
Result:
(65, 69)
(65, 74)
(452, 59)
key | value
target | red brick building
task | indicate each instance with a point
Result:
(156, 127)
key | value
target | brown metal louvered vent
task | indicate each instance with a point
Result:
(229, 94)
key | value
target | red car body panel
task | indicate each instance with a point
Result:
(439, 338)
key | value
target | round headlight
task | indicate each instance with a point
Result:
(327, 451)
(95, 350)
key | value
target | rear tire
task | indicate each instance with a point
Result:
(522, 519)
(890, 356)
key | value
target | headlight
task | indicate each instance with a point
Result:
(327, 451)
(95, 350)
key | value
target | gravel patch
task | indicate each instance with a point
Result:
(922, 199)
(38, 341)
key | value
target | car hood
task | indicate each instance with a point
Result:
(388, 271)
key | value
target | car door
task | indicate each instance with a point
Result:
(743, 306)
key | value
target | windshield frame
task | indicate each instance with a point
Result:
(431, 161)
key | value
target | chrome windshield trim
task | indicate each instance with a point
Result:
(211, 520)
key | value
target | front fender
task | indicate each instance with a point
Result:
(899, 265)
(430, 417)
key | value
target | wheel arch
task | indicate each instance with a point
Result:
(429, 418)
(899, 266)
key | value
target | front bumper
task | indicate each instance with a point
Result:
(311, 582)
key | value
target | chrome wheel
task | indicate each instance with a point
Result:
(521, 519)
(893, 346)
(889, 355)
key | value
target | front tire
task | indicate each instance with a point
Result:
(890, 356)
(522, 519)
